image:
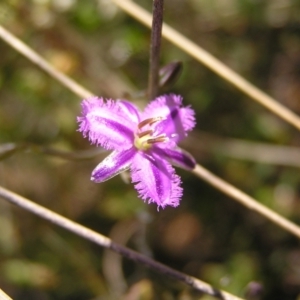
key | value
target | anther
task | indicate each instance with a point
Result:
(143, 133)
(149, 121)
(159, 139)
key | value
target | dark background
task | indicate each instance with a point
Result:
(209, 235)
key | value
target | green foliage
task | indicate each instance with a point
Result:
(215, 238)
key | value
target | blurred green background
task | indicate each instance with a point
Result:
(209, 235)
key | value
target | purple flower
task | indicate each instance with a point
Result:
(144, 142)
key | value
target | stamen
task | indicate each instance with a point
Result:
(143, 133)
(159, 139)
(157, 119)
(149, 121)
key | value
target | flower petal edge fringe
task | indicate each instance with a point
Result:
(144, 142)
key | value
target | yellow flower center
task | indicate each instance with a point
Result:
(144, 140)
(141, 143)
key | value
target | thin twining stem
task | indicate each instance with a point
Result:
(4, 296)
(246, 200)
(106, 242)
(43, 64)
(157, 11)
(212, 63)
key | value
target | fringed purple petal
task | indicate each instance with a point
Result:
(106, 123)
(177, 120)
(155, 180)
(177, 157)
(113, 164)
(130, 110)
(119, 125)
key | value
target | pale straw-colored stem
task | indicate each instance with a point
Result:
(199, 171)
(106, 242)
(4, 296)
(246, 200)
(211, 62)
(43, 64)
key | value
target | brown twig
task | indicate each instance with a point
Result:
(199, 171)
(246, 200)
(158, 7)
(105, 242)
(43, 64)
(212, 63)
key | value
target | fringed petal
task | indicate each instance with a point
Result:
(130, 110)
(107, 124)
(155, 180)
(177, 157)
(119, 125)
(112, 165)
(177, 120)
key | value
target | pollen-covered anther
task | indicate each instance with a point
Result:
(149, 121)
(158, 139)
